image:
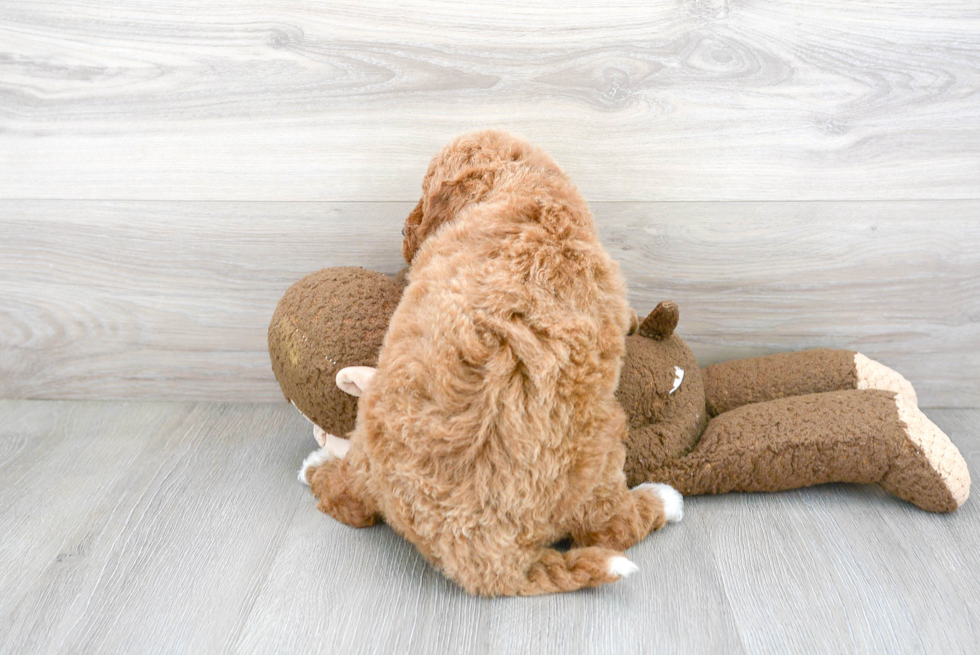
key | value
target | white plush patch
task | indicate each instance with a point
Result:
(620, 566)
(678, 378)
(319, 434)
(875, 375)
(317, 457)
(335, 445)
(670, 497)
(943, 456)
(355, 379)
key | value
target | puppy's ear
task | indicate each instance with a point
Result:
(470, 185)
(634, 322)
(411, 233)
(442, 203)
(661, 322)
(440, 206)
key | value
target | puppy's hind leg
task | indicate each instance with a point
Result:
(340, 486)
(617, 517)
(331, 448)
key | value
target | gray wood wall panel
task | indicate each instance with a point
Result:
(692, 100)
(171, 300)
(840, 145)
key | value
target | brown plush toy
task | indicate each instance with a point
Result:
(330, 320)
(763, 424)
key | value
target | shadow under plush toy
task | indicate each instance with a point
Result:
(762, 424)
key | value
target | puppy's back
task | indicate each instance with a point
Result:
(489, 418)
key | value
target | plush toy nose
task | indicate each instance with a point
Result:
(661, 322)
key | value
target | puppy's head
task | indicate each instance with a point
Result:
(462, 174)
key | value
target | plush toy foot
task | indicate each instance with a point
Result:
(333, 448)
(874, 375)
(355, 379)
(929, 471)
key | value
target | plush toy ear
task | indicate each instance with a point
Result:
(355, 379)
(634, 322)
(661, 322)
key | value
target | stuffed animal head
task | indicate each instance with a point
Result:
(661, 390)
(332, 319)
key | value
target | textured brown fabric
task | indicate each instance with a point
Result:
(744, 381)
(765, 442)
(661, 322)
(334, 318)
(661, 425)
(837, 436)
(912, 478)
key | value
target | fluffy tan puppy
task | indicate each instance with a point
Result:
(490, 429)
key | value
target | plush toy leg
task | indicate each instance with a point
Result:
(861, 436)
(928, 464)
(744, 381)
(617, 517)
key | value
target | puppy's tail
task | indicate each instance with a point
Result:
(553, 571)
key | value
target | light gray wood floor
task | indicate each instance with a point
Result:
(179, 527)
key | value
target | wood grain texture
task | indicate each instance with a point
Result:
(694, 100)
(49, 454)
(161, 300)
(845, 555)
(187, 532)
(170, 556)
(416, 610)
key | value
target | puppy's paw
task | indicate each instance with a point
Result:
(621, 567)
(670, 497)
(333, 448)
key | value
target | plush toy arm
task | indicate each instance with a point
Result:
(861, 436)
(743, 381)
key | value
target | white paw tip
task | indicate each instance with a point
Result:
(315, 458)
(672, 499)
(622, 567)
